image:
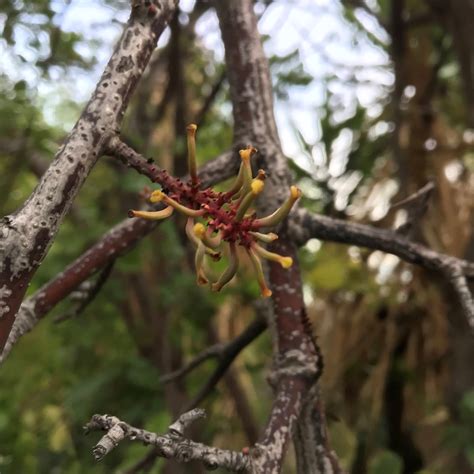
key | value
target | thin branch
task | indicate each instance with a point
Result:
(305, 225)
(85, 293)
(221, 168)
(170, 445)
(224, 352)
(416, 206)
(209, 100)
(422, 195)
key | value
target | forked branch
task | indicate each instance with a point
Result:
(172, 445)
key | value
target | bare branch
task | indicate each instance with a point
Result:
(224, 352)
(27, 234)
(170, 445)
(305, 225)
(209, 100)
(85, 293)
(416, 206)
(221, 168)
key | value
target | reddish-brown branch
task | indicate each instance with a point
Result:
(296, 360)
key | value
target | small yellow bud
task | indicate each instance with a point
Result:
(199, 230)
(191, 128)
(295, 192)
(266, 292)
(247, 153)
(286, 262)
(156, 196)
(257, 186)
(261, 175)
(153, 215)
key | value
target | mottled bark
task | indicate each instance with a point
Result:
(172, 445)
(296, 361)
(27, 234)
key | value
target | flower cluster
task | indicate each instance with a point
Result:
(222, 220)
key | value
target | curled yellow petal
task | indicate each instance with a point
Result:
(245, 155)
(195, 240)
(257, 265)
(281, 212)
(295, 192)
(157, 196)
(285, 262)
(229, 272)
(191, 139)
(267, 238)
(257, 186)
(161, 196)
(199, 263)
(152, 215)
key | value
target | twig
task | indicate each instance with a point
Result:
(416, 206)
(224, 352)
(85, 294)
(222, 167)
(306, 225)
(170, 445)
(209, 100)
(419, 196)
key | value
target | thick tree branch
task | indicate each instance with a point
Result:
(27, 234)
(170, 445)
(118, 241)
(296, 360)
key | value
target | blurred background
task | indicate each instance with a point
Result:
(373, 98)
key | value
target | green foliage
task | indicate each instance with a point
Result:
(386, 462)
(460, 436)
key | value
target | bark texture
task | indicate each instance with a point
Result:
(27, 234)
